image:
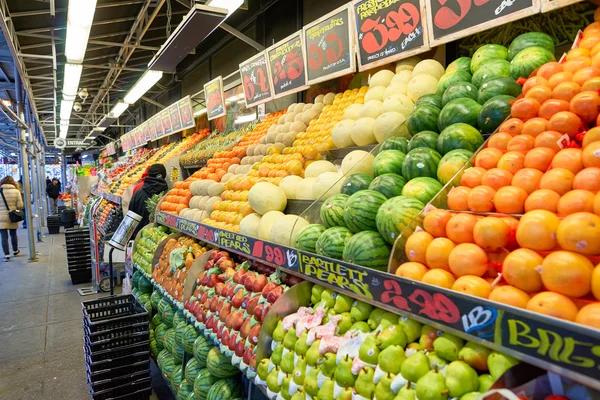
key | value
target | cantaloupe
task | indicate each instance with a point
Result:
(352, 112)
(202, 202)
(371, 109)
(309, 115)
(250, 224)
(200, 215)
(209, 207)
(408, 64)
(429, 67)
(403, 76)
(375, 93)
(358, 161)
(381, 78)
(398, 103)
(342, 134)
(362, 132)
(216, 189)
(390, 124)
(289, 184)
(395, 88)
(319, 99)
(304, 189)
(298, 126)
(264, 197)
(328, 99)
(285, 230)
(421, 85)
(319, 167)
(327, 185)
(266, 223)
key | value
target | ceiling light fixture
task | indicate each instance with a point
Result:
(143, 84)
(79, 22)
(65, 109)
(229, 5)
(118, 109)
(71, 81)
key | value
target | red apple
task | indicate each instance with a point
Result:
(259, 283)
(248, 354)
(237, 277)
(254, 332)
(251, 305)
(237, 299)
(274, 294)
(239, 348)
(253, 361)
(245, 328)
(225, 337)
(219, 287)
(268, 287)
(213, 304)
(265, 312)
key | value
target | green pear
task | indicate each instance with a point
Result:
(499, 363)
(361, 326)
(364, 383)
(415, 366)
(471, 396)
(406, 393)
(278, 333)
(343, 373)
(273, 380)
(447, 346)
(262, 369)
(461, 378)
(391, 335)
(383, 391)
(411, 327)
(316, 292)
(343, 303)
(414, 346)
(436, 361)
(360, 310)
(328, 298)
(475, 355)
(326, 390)
(299, 371)
(313, 357)
(375, 318)
(311, 384)
(345, 323)
(428, 335)
(277, 354)
(285, 387)
(431, 386)
(287, 363)
(388, 318)
(329, 364)
(289, 340)
(391, 359)
(485, 383)
(301, 347)
(345, 394)
(299, 395)
(368, 351)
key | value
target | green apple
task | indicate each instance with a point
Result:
(415, 366)
(461, 378)
(360, 310)
(447, 346)
(391, 335)
(431, 386)
(499, 363)
(475, 355)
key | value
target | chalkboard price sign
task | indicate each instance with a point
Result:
(286, 64)
(329, 46)
(254, 74)
(215, 99)
(388, 30)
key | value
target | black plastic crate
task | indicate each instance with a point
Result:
(117, 342)
(116, 352)
(118, 371)
(82, 275)
(79, 257)
(117, 381)
(138, 390)
(116, 362)
(102, 336)
(113, 312)
(53, 230)
(76, 268)
(82, 248)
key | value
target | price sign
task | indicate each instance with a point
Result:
(146, 132)
(549, 5)
(175, 117)
(166, 122)
(159, 126)
(286, 65)
(152, 129)
(254, 74)
(448, 20)
(215, 99)
(329, 46)
(387, 31)
(186, 112)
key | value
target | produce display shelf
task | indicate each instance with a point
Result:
(568, 349)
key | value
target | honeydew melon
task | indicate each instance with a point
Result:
(319, 167)
(328, 99)
(395, 88)
(327, 185)
(398, 103)
(285, 230)
(264, 197)
(421, 85)
(390, 124)
(403, 76)
(200, 215)
(209, 207)
(429, 67)
(375, 93)
(358, 161)
(408, 64)
(362, 132)
(216, 189)
(381, 78)
(352, 112)
(266, 223)
(342, 134)
(250, 224)
(371, 109)
(305, 188)
(289, 184)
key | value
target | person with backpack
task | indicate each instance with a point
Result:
(11, 201)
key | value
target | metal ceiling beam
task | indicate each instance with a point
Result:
(64, 10)
(154, 103)
(91, 41)
(244, 38)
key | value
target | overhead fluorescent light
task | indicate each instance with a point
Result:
(80, 17)
(118, 109)
(229, 5)
(201, 112)
(143, 84)
(71, 80)
(106, 122)
(65, 109)
(100, 128)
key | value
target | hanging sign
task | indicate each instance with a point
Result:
(152, 129)
(166, 122)
(146, 132)
(175, 117)
(286, 66)
(448, 20)
(549, 5)
(125, 230)
(388, 30)
(329, 46)
(186, 112)
(215, 99)
(159, 126)
(254, 74)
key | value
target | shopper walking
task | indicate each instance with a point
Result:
(139, 185)
(53, 190)
(11, 201)
(155, 183)
(22, 191)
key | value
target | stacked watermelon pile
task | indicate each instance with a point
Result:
(142, 288)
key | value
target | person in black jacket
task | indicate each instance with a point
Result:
(53, 190)
(155, 183)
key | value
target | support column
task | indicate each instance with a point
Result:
(42, 182)
(63, 168)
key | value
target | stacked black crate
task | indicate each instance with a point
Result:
(79, 255)
(54, 224)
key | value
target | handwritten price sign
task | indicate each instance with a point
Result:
(387, 31)
(215, 99)
(329, 46)
(255, 78)
(286, 63)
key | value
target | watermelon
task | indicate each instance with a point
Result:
(422, 189)
(179, 331)
(393, 143)
(357, 182)
(460, 64)
(458, 91)
(135, 279)
(177, 352)
(184, 390)
(162, 356)
(192, 396)
(189, 337)
(154, 350)
(159, 333)
(459, 110)
(226, 389)
(155, 298)
(388, 162)
(135, 292)
(169, 340)
(530, 39)
(494, 112)
(421, 161)
(451, 164)
(490, 70)
(396, 216)
(192, 368)
(156, 321)
(144, 285)
(389, 185)
(332, 210)
(368, 249)
(528, 60)
(178, 318)
(176, 376)
(167, 367)
(202, 384)
(450, 78)
(332, 242)
(361, 209)
(168, 313)
(497, 86)
(423, 139)
(459, 136)
(430, 99)
(201, 348)
(423, 118)
(219, 364)
(487, 53)
(145, 298)
(308, 236)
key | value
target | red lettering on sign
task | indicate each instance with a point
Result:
(446, 18)
(397, 23)
(393, 295)
(295, 65)
(436, 306)
(334, 41)
(248, 88)
(315, 55)
(257, 249)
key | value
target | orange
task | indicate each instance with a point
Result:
(549, 139)
(596, 282)
(435, 222)
(547, 70)
(473, 285)
(522, 143)
(591, 84)
(510, 200)
(411, 270)
(541, 93)
(560, 77)
(569, 159)
(527, 179)
(438, 277)
(468, 259)
(566, 90)
(488, 158)
(575, 201)
(591, 136)
(558, 179)
(597, 204)
(460, 228)
(572, 54)
(481, 198)
(416, 246)
(472, 177)
(596, 15)
(542, 199)
(589, 315)
(438, 252)
(566, 122)
(567, 273)
(588, 179)
(497, 178)
(534, 126)
(510, 295)
(457, 198)
(512, 161)
(580, 232)
(589, 42)
(554, 305)
(539, 158)
(500, 140)
(591, 155)
(534, 81)
(594, 27)
(572, 66)
(525, 108)
(491, 233)
(522, 268)
(586, 105)
(584, 74)
(512, 126)
(537, 230)
(552, 106)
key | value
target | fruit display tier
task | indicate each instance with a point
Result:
(559, 346)
(109, 196)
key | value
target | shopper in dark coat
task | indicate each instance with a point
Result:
(53, 191)
(14, 201)
(155, 183)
